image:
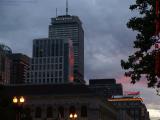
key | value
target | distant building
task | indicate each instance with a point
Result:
(19, 68)
(51, 62)
(5, 64)
(105, 87)
(133, 106)
(70, 27)
(60, 102)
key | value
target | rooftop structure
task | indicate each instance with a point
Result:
(5, 49)
(105, 87)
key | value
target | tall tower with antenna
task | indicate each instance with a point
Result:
(70, 28)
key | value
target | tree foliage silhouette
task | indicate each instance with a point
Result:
(142, 62)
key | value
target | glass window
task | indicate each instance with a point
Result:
(47, 74)
(52, 66)
(55, 80)
(60, 80)
(43, 74)
(36, 61)
(52, 60)
(40, 67)
(51, 74)
(44, 60)
(60, 66)
(48, 66)
(40, 61)
(60, 73)
(52, 80)
(56, 66)
(48, 80)
(39, 74)
(60, 59)
(35, 74)
(43, 80)
(56, 73)
(48, 60)
(56, 60)
(44, 67)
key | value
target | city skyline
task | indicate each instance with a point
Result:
(105, 45)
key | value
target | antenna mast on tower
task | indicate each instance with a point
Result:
(56, 12)
(66, 7)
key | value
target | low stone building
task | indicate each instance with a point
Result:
(62, 102)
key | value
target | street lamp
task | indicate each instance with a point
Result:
(73, 116)
(18, 102)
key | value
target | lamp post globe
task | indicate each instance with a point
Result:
(15, 100)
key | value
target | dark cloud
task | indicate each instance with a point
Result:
(107, 40)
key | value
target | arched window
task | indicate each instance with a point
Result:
(49, 112)
(38, 112)
(61, 112)
(83, 111)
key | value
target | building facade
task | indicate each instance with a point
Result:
(19, 68)
(105, 87)
(70, 27)
(5, 64)
(61, 102)
(51, 62)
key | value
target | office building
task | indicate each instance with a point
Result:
(105, 87)
(5, 64)
(19, 68)
(52, 62)
(70, 27)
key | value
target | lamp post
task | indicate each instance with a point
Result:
(18, 102)
(73, 116)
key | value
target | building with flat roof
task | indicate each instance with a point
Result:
(61, 102)
(133, 106)
(105, 87)
(19, 68)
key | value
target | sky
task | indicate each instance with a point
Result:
(107, 39)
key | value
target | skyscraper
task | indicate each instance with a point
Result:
(70, 27)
